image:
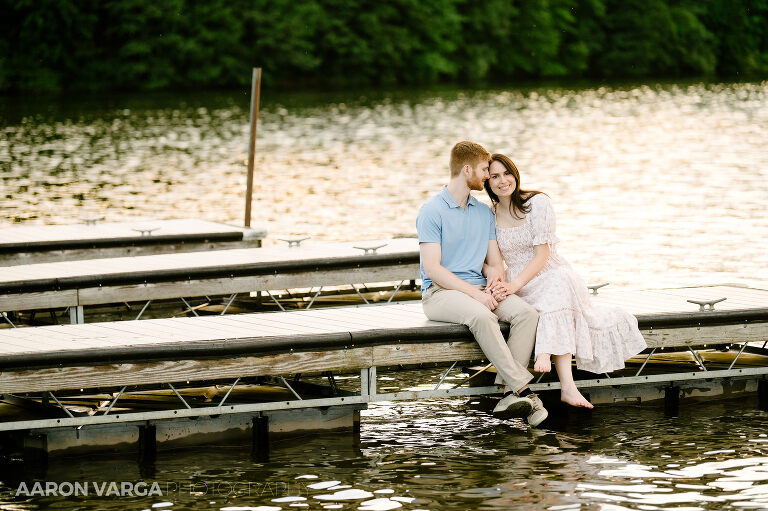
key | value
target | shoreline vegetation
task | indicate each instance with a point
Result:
(143, 45)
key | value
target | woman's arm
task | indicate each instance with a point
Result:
(540, 256)
(500, 290)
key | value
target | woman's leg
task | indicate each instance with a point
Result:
(568, 392)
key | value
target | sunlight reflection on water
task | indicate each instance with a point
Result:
(653, 185)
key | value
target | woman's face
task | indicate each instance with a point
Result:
(502, 181)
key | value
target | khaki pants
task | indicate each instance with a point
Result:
(509, 358)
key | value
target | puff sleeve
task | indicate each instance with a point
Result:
(542, 216)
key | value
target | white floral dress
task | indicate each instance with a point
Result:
(600, 337)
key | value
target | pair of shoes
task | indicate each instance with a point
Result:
(512, 405)
(538, 413)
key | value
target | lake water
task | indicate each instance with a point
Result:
(653, 185)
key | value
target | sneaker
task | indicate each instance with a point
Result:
(539, 413)
(512, 405)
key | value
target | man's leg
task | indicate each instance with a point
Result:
(523, 320)
(456, 307)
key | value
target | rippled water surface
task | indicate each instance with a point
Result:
(653, 184)
(447, 454)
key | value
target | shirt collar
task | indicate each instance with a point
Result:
(446, 196)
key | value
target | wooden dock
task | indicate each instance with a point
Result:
(46, 365)
(23, 244)
(77, 284)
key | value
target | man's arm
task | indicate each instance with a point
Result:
(493, 268)
(445, 278)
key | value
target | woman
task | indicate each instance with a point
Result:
(601, 338)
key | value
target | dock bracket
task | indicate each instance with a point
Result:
(112, 403)
(231, 299)
(359, 294)
(288, 386)
(228, 392)
(595, 287)
(189, 307)
(738, 355)
(698, 359)
(179, 396)
(62, 406)
(5, 316)
(314, 297)
(275, 300)
(445, 374)
(395, 291)
(645, 362)
(143, 309)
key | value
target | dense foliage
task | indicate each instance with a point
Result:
(166, 44)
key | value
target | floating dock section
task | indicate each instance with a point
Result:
(76, 285)
(44, 368)
(95, 239)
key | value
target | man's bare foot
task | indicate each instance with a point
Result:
(543, 364)
(573, 397)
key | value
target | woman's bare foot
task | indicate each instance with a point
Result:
(573, 397)
(542, 364)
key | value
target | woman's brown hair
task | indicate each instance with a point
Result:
(519, 197)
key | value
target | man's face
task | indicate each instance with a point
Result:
(477, 176)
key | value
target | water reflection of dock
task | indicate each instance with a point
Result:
(100, 369)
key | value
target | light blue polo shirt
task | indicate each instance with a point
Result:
(463, 235)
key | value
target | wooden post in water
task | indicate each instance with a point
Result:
(255, 90)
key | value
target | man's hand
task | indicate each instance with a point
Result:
(485, 298)
(493, 275)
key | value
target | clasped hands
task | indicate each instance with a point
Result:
(496, 290)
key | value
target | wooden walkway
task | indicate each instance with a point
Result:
(223, 272)
(48, 243)
(210, 348)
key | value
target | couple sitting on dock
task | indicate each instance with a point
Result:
(465, 246)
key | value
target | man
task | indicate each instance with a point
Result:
(457, 233)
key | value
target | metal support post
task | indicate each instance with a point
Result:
(76, 315)
(372, 381)
(671, 400)
(260, 446)
(147, 442)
